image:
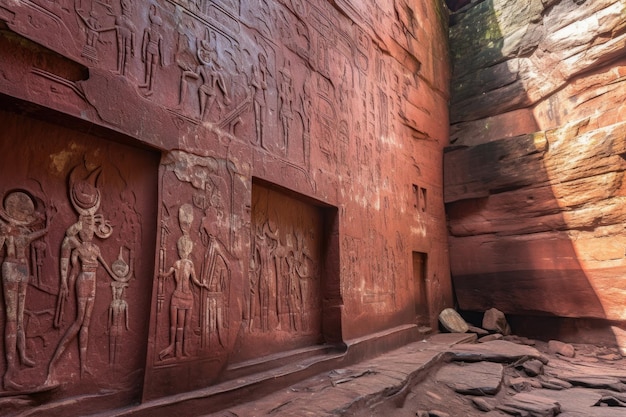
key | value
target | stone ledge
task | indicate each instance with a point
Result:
(365, 383)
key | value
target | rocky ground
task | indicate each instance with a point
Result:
(516, 377)
(506, 375)
(469, 372)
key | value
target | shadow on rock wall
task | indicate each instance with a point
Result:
(534, 217)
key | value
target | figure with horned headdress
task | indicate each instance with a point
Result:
(79, 261)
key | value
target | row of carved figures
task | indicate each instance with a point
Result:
(278, 273)
(22, 222)
(199, 65)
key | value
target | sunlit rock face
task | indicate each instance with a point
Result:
(534, 184)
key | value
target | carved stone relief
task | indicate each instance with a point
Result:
(196, 60)
(20, 226)
(195, 311)
(70, 310)
(79, 250)
(152, 50)
(288, 91)
(284, 302)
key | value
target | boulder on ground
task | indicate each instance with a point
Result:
(533, 367)
(495, 321)
(452, 321)
(563, 349)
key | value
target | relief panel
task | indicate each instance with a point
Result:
(284, 302)
(197, 302)
(74, 238)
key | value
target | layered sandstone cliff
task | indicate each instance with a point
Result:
(535, 172)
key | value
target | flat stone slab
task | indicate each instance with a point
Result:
(481, 378)
(579, 402)
(533, 405)
(495, 351)
(569, 367)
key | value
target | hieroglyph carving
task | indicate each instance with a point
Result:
(216, 275)
(286, 99)
(279, 279)
(79, 261)
(20, 225)
(152, 49)
(181, 304)
(118, 309)
(259, 85)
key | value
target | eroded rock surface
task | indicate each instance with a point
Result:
(534, 177)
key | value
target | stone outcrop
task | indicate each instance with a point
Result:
(534, 177)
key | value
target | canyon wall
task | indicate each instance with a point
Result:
(534, 176)
(204, 198)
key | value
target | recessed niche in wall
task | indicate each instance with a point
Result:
(289, 273)
(421, 292)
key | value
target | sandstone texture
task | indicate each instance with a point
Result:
(419, 380)
(198, 192)
(534, 179)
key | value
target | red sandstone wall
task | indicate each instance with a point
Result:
(219, 182)
(534, 180)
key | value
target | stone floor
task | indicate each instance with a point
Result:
(453, 375)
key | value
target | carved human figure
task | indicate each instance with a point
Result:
(93, 29)
(286, 97)
(210, 73)
(152, 49)
(118, 309)
(185, 58)
(181, 303)
(259, 84)
(125, 31)
(18, 216)
(79, 261)
(303, 272)
(345, 91)
(306, 104)
(216, 275)
(294, 294)
(266, 242)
